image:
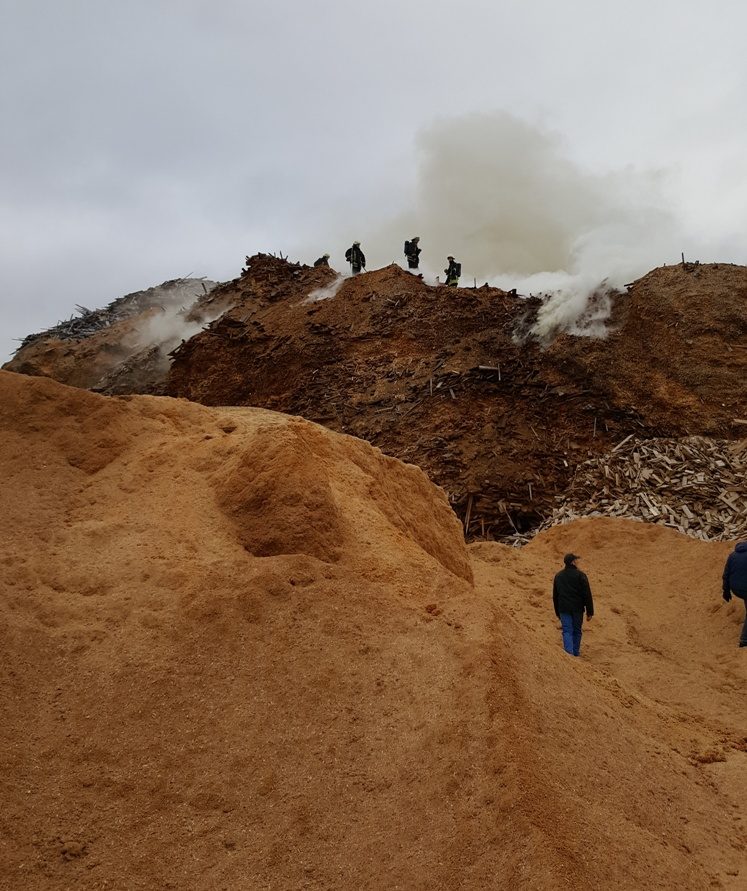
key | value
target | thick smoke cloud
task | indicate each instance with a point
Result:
(498, 194)
(504, 197)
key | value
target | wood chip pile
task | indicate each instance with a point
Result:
(90, 321)
(695, 485)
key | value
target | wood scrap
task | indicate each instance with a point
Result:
(696, 485)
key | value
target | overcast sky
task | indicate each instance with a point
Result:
(149, 139)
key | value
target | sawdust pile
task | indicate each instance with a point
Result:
(239, 650)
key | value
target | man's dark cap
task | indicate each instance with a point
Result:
(569, 558)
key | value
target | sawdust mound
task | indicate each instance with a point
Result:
(193, 701)
(649, 734)
(278, 501)
(292, 494)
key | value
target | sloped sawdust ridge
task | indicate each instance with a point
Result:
(239, 650)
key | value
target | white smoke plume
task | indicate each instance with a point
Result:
(505, 199)
(326, 292)
(171, 322)
(164, 316)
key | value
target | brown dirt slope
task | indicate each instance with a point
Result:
(238, 650)
(396, 362)
(677, 354)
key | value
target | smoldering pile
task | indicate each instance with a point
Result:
(90, 321)
(695, 484)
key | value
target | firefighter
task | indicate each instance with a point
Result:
(322, 261)
(453, 271)
(355, 256)
(412, 252)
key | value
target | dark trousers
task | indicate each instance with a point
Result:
(571, 624)
(412, 263)
(743, 638)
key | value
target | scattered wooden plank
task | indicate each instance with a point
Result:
(468, 515)
(622, 443)
(696, 485)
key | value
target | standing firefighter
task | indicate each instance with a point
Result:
(355, 256)
(453, 271)
(412, 252)
(735, 581)
(322, 261)
(571, 595)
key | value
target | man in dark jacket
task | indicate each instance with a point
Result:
(735, 581)
(355, 256)
(322, 261)
(571, 595)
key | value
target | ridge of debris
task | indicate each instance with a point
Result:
(90, 321)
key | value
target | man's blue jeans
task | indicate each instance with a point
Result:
(572, 623)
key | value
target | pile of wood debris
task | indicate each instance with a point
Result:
(90, 321)
(696, 485)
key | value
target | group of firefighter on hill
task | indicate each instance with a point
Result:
(357, 259)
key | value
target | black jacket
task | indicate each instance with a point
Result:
(571, 592)
(412, 251)
(355, 256)
(735, 571)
